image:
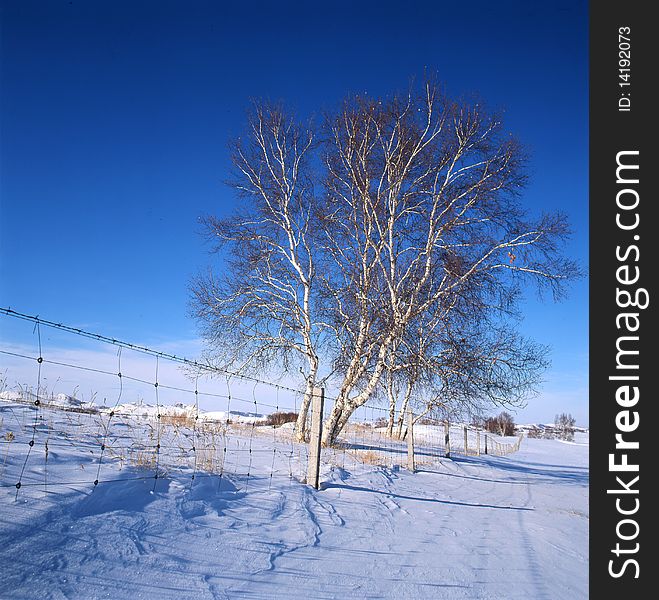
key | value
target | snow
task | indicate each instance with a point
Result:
(10, 395)
(66, 401)
(513, 527)
(63, 401)
(183, 410)
(232, 415)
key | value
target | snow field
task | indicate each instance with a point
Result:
(245, 527)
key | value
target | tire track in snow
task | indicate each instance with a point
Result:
(484, 566)
(527, 542)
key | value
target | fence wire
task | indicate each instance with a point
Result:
(153, 428)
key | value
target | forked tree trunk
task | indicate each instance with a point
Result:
(302, 417)
(344, 406)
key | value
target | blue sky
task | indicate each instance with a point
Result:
(115, 118)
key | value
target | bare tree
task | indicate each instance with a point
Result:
(260, 313)
(564, 426)
(503, 424)
(462, 366)
(407, 271)
(422, 217)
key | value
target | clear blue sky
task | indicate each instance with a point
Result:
(115, 117)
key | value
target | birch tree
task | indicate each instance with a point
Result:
(259, 314)
(463, 365)
(393, 245)
(423, 217)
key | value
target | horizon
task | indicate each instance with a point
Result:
(87, 371)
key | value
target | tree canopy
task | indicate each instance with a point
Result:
(387, 245)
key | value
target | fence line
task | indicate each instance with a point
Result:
(148, 442)
(136, 347)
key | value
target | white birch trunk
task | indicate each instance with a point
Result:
(344, 407)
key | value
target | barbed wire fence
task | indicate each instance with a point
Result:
(152, 428)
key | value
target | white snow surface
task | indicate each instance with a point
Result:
(513, 527)
(57, 400)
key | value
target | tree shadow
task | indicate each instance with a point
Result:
(389, 494)
(543, 472)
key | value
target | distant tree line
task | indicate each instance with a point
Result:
(564, 426)
(503, 424)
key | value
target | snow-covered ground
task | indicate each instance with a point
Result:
(245, 527)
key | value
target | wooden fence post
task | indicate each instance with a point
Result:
(313, 466)
(466, 444)
(447, 440)
(486, 443)
(478, 442)
(410, 440)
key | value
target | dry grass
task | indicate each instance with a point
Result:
(369, 457)
(143, 459)
(180, 420)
